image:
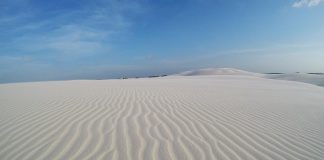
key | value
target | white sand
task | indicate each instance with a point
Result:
(300, 77)
(217, 71)
(176, 117)
(316, 79)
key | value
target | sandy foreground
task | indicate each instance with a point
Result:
(176, 117)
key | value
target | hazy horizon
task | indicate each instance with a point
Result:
(62, 40)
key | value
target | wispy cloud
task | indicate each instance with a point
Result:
(85, 28)
(48, 39)
(306, 3)
(67, 39)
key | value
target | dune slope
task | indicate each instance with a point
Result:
(300, 77)
(177, 117)
(316, 79)
(217, 71)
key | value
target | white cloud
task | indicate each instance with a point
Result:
(306, 3)
(66, 40)
(89, 29)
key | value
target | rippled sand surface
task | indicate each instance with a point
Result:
(201, 117)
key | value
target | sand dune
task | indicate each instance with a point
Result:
(217, 71)
(177, 117)
(316, 79)
(300, 77)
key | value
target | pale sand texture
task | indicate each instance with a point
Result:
(176, 117)
(218, 71)
(301, 77)
(316, 79)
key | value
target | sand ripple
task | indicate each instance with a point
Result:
(229, 117)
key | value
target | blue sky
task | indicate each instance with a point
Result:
(82, 39)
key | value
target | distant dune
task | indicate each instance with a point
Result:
(217, 71)
(316, 79)
(230, 117)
